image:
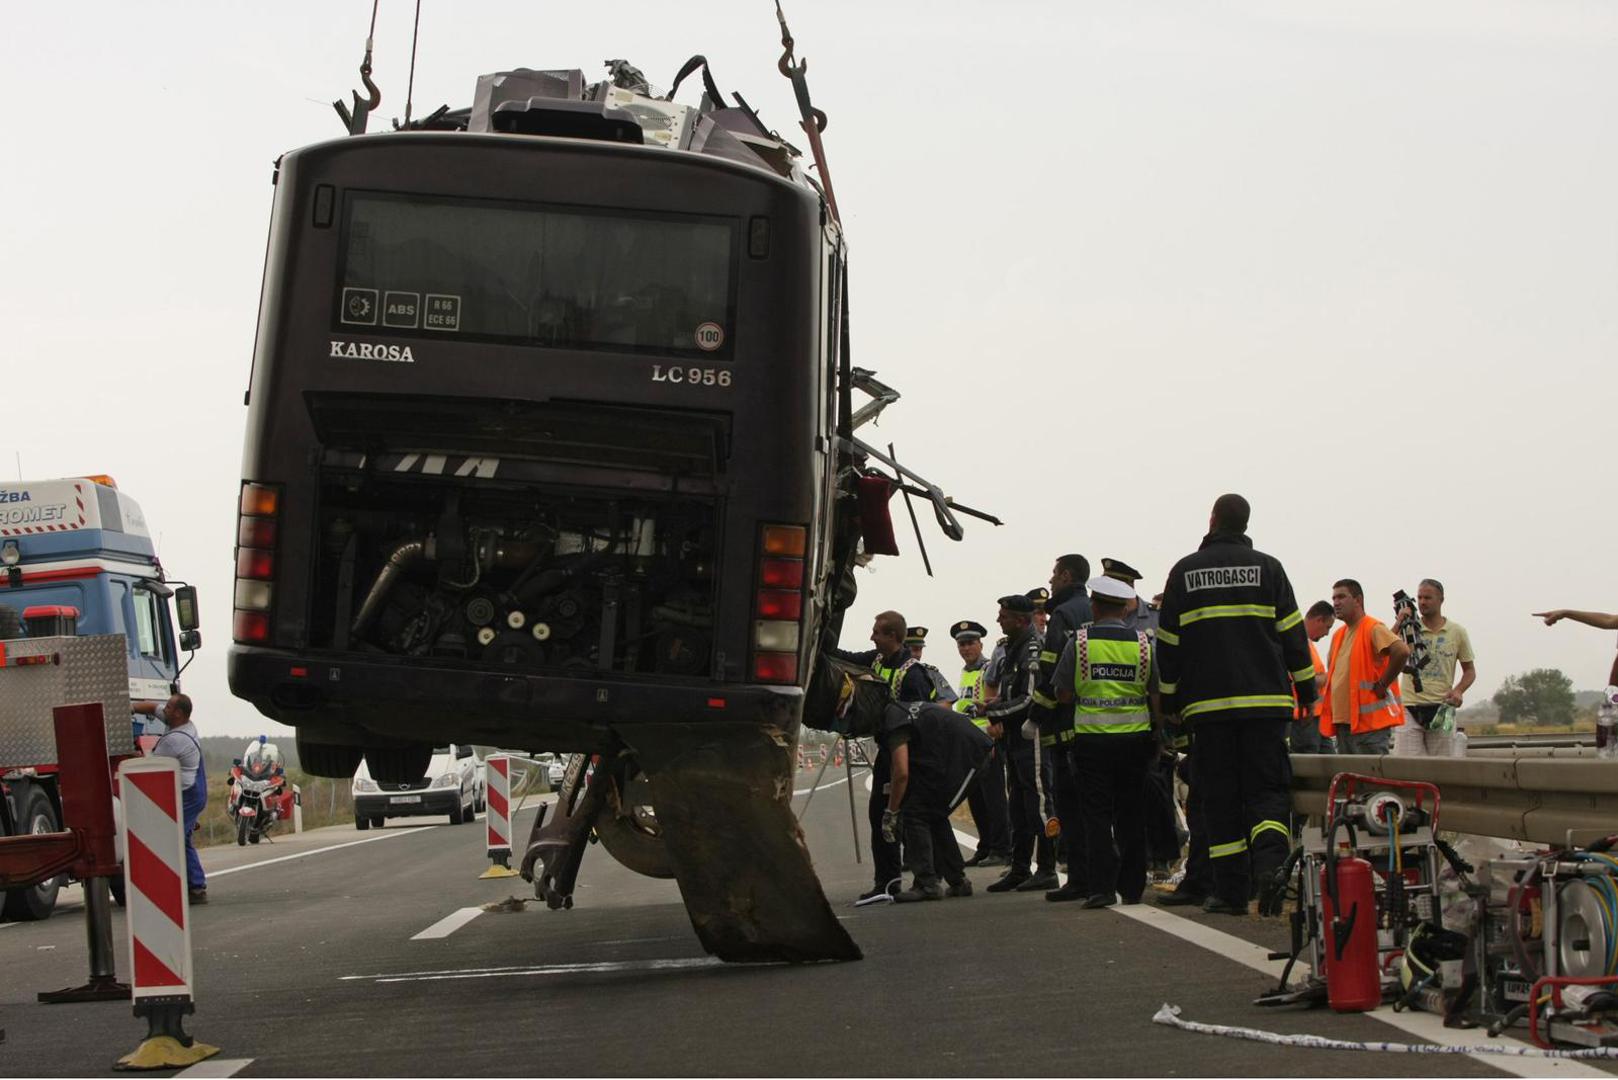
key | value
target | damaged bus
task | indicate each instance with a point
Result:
(550, 446)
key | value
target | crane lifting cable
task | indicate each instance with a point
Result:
(811, 119)
(355, 121)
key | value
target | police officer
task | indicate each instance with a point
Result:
(916, 640)
(1231, 649)
(1163, 834)
(907, 681)
(1012, 706)
(1041, 597)
(1070, 609)
(1107, 675)
(936, 751)
(987, 796)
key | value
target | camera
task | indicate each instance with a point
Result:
(1409, 624)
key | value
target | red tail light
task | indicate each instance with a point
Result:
(781, 573)
(256, 532)
(251, 626)
(775, 667)
(779, 604)
(255, 563)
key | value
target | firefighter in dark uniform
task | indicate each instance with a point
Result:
(936, 753)
(916, 640)
(1231, 649)
(908, 681)
(1163, 835)
(1070, 609)
(1106, 674)
(1012, 707)
(987, 796)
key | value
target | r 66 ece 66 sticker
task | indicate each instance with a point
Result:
(691, 376)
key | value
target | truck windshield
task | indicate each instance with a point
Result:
(536, 275)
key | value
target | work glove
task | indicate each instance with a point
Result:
(890, 825)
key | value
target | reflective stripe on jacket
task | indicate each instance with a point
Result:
(1370, 713)
(1231, 640)
(1111, 673)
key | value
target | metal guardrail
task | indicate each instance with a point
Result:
(1495, 742)
(1549, 797)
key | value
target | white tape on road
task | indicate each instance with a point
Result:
(216, 1067)
(1421, 1025)
(450, 923)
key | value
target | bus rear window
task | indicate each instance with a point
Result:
(534, 275)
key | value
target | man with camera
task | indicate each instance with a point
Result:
(1431, 692)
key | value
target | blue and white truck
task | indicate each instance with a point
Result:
(76, 558)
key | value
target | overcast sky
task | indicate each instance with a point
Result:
(1357, 261)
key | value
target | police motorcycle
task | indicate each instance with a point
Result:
(258, 791)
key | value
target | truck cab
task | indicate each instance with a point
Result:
(76, 557)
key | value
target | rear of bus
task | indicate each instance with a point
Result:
(536, 436)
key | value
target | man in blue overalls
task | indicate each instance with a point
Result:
(181, 744)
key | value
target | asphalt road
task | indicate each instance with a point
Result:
(345, 953)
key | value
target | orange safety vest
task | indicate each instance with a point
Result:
(1298, 713)
(1369, 713)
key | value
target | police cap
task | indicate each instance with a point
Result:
(1111, 588)
(916, 635)
(1117, 568)
(1039, 594)
(1017, 602)
(966, 630)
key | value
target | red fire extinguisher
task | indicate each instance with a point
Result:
(1348, 910)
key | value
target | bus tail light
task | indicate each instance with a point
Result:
(257, 530)
(778, 603)
(775, 667)
(251, 627)
(255, 563)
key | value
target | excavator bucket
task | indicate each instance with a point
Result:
(723, 796)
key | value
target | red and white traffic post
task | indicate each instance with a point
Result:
(159, 913)
(497, 820)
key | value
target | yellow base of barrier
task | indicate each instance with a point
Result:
(165, 1052)
(497, 871)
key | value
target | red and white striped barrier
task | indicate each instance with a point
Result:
(497, 819)
(159, 913)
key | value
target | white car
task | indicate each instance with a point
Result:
(554, 772)
(453, 786)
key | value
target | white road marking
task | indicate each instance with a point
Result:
(1422, 1025)
(389, 835)
(599, 967)
(822, 787)
(450, 923)
(216, 1067)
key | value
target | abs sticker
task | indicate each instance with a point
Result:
(709, 336)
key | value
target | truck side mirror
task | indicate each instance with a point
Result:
(185, 606)
(190, 640)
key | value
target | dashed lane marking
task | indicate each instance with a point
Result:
(216, 1067)
(597, 968)
(450, 923)
(1422, 1025)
